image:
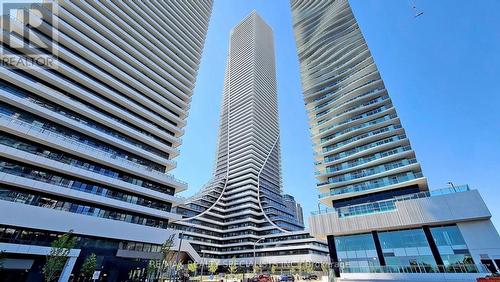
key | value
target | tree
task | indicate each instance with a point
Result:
(309, 267)
(193, 267)
(273, 268)
(325, 267)
(158, 267)
(89, 266)
(213, 266)
(301, 266)
(58, 255)
(179, 268)
(257, 269)
(233, 267)
(166, 251)
(152, 269)
(295, 269)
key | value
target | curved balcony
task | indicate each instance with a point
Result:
(372, 184)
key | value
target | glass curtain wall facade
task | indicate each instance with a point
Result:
(356, 252)
(451, 246)
(407, 250)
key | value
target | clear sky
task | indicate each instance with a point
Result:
(442, 71)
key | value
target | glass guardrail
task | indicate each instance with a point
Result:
(86, 147)
(390, 204)
(419, 268)
(361, 161)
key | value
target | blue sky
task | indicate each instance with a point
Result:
(442, 71)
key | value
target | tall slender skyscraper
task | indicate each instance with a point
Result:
(243, 203)
(86, 144)
(361, 149)
(381, 216)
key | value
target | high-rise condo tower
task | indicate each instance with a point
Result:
(360, 147)
(243, 204)
(381, 215)
(86, 144)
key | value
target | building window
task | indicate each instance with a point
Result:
(357, 253)
(406, 248)
(63, 157)
(37, 174)
(11, 194)
(42, 124)
(451, 246)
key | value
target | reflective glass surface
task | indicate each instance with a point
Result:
(37, 174)
(356, 251)
(451, 246)
(406, 248)
(54, 154)
(44, 124)
(28, 198)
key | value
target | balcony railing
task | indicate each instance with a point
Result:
(362, 160)
(372, 184)
(356, 127)
(419, 268)
(364, 115)
(346, 154)
(311, 90)
(336, 74)
(352, 99)
(81, 146)
(389, 128)
(350, 91)
(371, 171)
(389, 205)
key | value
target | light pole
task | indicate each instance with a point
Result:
(254, 245)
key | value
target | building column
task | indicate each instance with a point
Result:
(432, 245)
(334, 259)
(378, 247)
(68, 268)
